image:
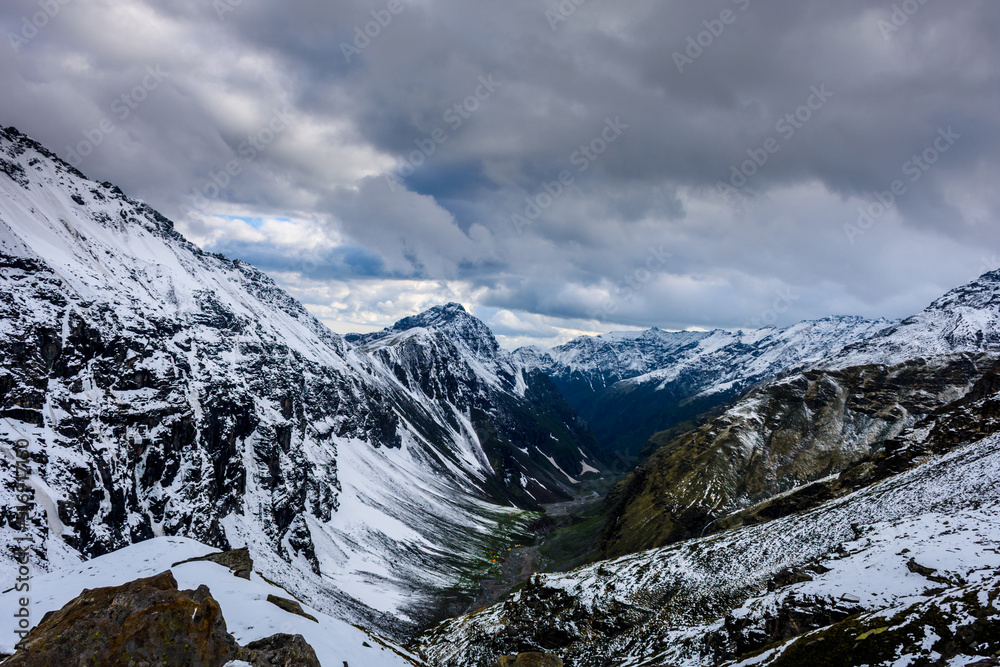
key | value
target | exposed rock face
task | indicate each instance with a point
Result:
(280, 651)
(789, 433)
(530, 660)
(237, 560)
(145, 622)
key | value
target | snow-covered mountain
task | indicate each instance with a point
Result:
(531, 437)
(903, 571)
(966, 319)
(168, 391)
(631, 385)
(808, 424)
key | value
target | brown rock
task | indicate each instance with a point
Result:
(143, 623)
(237, 560)
(291, 606)
(530, 660)
(280, 651)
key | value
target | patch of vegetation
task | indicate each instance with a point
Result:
(575, 545)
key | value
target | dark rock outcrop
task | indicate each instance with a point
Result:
(145, 622)
(280, 651)
(150, 622)
(237, 560)
(530, 660)
(291, 606)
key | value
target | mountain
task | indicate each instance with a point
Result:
(531, 437)
(809, 424)
(631, 385)
(902, 571)
(844, 513)
(166, 391)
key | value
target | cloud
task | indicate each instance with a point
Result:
(743, 112)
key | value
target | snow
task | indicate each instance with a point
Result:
(248, 614)
(944, 514)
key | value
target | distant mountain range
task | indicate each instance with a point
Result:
(629, 386)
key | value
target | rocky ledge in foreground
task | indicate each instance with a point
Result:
(150, 622)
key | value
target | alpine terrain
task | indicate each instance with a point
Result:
(196, 471)
(166, 391)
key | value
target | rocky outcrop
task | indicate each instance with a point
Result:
(146, 623)
(291, 606)
(280, 650)
(237, 560)
(530, 660)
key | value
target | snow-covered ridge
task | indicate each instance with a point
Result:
(966, 319)
(680, 605)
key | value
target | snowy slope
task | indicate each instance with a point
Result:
(630, 386)
(169, 391)
(693, 603)
(248, 614)
(967, 319)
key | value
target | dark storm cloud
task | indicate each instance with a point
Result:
(807, 110)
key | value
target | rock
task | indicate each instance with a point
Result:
(788, 577)
(280, 651)
(291, 606)
(530, 660)
(928, 573)
(237, 560)
(145, 622)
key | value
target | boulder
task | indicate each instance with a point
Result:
(291, 606)
(530, 660)
(237, 560)
(142, 623)
(280, 651)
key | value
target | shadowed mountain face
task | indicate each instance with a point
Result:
(168, 391)
(629, 386)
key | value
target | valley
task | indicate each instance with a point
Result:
(421, 496)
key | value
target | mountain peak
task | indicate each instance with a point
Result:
(436, 317)
(451, 320)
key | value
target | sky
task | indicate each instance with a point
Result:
(560, 167)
